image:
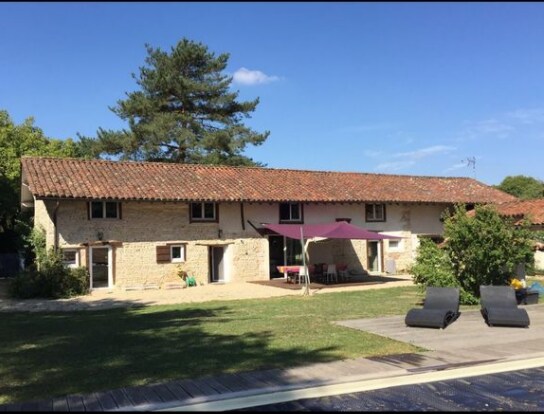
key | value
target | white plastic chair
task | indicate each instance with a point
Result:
(302, 273)
(331, 273)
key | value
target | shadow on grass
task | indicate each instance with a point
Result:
(53, 354)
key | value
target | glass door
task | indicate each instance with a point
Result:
(100, 267)
(373, 256)
(275, 255)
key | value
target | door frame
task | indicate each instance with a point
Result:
(110, 266)
(379, 255)
(222, 264)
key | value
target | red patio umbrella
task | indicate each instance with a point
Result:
(336, 230)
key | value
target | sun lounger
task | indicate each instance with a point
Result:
(440, 308)
(499, 307)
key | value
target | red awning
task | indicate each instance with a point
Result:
(337, 230)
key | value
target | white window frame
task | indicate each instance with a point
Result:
(182, 251)
(71, 265)
(396, 248)
(297, 220)
(202, 211)
(373, 216)
(104, 210)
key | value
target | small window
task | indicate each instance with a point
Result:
(177, 253)
(394, 245)
(171, 253)
(70, 257)
(111, 209)
(203, 212)
(96, 209)
(375, 212)
(105, 209)
(291, 212)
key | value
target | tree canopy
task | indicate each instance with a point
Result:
(184, 112)
(16, 141)
(522, 186)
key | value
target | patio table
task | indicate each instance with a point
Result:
(288, 269)
(290, 272)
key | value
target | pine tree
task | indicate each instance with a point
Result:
(183, 113)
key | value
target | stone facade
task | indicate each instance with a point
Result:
(132, 240)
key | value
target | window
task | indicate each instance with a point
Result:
(105, 209)
(375, 212)
(203, 212)
(177, 253)
(394, 245)
(70, 257)
(291, 212)
(171, 253)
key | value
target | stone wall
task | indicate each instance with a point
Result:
(145, 225)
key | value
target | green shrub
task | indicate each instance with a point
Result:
(52, 280)
(434, 268)
(480, 249)
(485, 248)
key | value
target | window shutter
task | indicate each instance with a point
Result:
(163, 254)
(120, 211)
(88, 210)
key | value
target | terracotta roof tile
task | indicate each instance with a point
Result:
(100, 179)
(532, 209)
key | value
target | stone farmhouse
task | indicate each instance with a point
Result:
(134, 224)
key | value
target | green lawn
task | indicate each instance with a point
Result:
(50, 354)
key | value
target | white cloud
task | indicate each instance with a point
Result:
(394, 166)
(245, 76)
(408, 159)
(425, 152)
(457, 166)
(372, 153)
(528, 116)
(489, 127)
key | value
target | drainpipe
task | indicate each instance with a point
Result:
(56, 231)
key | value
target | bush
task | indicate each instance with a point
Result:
(52, 280)
(434, 268)
(484, 248)
(480, 249)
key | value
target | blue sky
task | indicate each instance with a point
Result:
(396, 88)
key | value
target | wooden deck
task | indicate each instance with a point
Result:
(467, 341)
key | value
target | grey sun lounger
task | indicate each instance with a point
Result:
(440, 308)
(499, 307)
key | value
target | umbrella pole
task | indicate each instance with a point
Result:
(306, 272)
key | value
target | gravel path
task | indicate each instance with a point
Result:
(102, 299)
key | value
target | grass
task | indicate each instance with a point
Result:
(45, 355)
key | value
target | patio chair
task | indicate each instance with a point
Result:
(499, 307)
(331, 273)
(440, 308)
(302, 273)
(317, 274)
(343, 273)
